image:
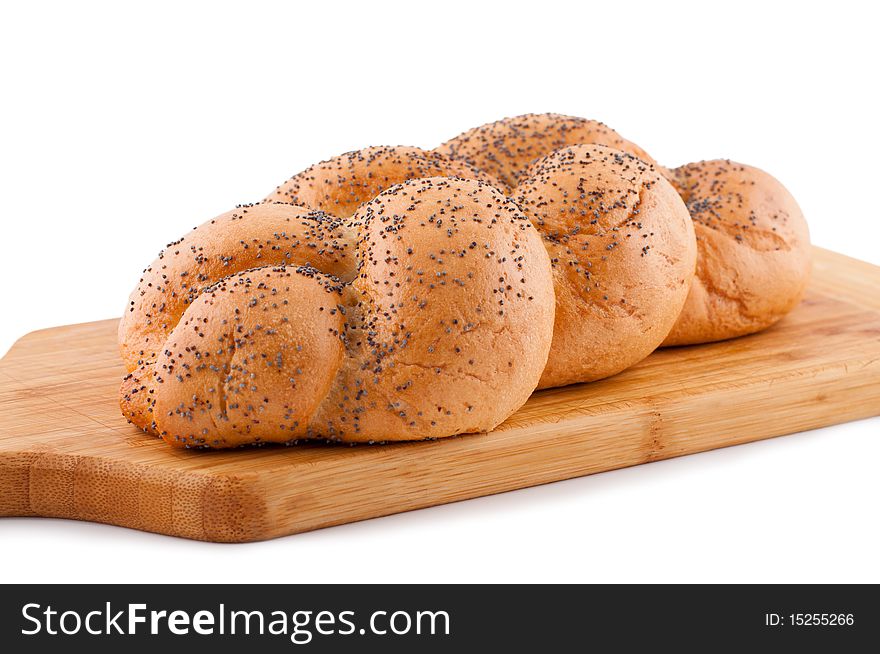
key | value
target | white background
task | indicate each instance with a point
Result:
(122, 126)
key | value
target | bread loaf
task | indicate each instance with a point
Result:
(392, 293)
(429, 314)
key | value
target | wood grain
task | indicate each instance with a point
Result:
(65, 451)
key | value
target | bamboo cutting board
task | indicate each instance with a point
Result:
(65, 451)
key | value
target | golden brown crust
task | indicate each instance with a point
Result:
(341, 184)
(506, 148)
(454, 315)
(246, 237)
(251, 359)
(443, 329)
(622, 249)
(754, 254)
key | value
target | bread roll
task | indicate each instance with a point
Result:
(754, 251)
(505, 149)
(437, 321)
(622, 249)
(341, 184)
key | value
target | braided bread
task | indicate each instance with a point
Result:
(429, 314)
(393, 293)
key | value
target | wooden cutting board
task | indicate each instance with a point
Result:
(65, 451)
